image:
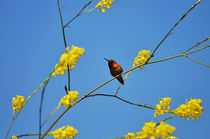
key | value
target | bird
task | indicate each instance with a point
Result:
(115, 69)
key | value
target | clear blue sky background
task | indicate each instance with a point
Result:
(31, 44)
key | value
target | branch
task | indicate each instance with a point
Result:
(169, 117)
(41, 103)
(64, 39)
(197, 44)
(32, 134)
(197, 61)
(140, 105)
(78, 13)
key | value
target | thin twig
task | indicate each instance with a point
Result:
(64, 36)
(197, 44)
(64, 39)
(178, 55)
(140, 105)
(78, 13)
(32, 134)
(50, 115)
(40, 109)
(169, 117)
(197, 61)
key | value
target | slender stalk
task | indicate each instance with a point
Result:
(179, 55)
(113, 79)
(197, 44)
(32, 134)
(64, 39)
(41, 103)
(50, 115)
(140, 105)
(197, 61)
(78, 14)
(169, 117)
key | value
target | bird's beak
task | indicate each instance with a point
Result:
(106, 59)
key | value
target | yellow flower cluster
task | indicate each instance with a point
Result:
(103, 5)
(163, 106)
(164, 130)
(18, 103)
(130, 136)
(67, 100)
(142, 57)
(14, 137)
(192, 109)
(147, 131)
(70, 58)
(151, 131)
(67, 132)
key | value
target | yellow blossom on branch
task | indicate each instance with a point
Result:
(67, 132)
(191, 109)
(70, 58)
(14, 137)
(164, 130)
(103, 5)
(130, 136)
(163, 106)
(148, 131)
(142, 57)
(18, 103)
(67, 100)
(152, 131)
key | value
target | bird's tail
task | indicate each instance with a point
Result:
(120, 79)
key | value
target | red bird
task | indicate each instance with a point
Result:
(115, 69)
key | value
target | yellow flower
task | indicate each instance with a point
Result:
(130, 136)
(103, 5)
(67, 132)
(152, 131)
(142, 57)
(17, 103)
(70, 58)
(164, 130)
(147, 131)
(71, 97)
(163, 106)
(14, 137)
(191, 109)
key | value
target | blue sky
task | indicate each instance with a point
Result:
(31, 44)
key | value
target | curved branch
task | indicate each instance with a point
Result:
(114, 96)
(41, 103)
(197, 61)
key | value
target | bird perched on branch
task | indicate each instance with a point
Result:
(115, 69)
